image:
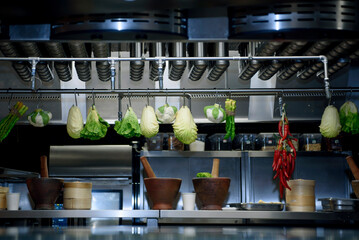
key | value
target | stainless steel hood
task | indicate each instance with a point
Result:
(182, 29)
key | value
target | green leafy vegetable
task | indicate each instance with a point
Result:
(230, 106)
(184, 126)
(204, 175)
(349, 118)
(166, 113)
(215, 113)
(149, 125)
(75, 122)
(330, 125)
(129, 126)
(39, 118)
(95, 127)
(8, 122)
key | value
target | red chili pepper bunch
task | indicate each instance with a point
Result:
(284, 155)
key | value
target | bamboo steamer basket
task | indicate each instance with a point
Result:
(77, 195)
(3, 191)
(302, 196)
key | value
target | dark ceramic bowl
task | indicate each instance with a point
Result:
(44, 192)
(211, 192)
(162, 192)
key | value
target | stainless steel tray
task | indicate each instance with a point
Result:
(339, 204)
(258, 206)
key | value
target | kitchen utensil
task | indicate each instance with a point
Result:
(215, 167)
(77, 195)
(258, 206)
(44, 191)
(301, 197)
(339, 204)
(162, 192)
(147, 167)
(355, 185)
(12, 201)
(211, 192)
(353, 167)
(189, 201)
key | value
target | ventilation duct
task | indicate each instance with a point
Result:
(268, 71)
(102, 50)
(265, 49)
(156, 50)
(42, 68)
(21, 68)
(316, 49)
(55, 49)
(199, 66)
(136, 67)
(177, 67)
(78, 50)
(220, 66)
(335, 53)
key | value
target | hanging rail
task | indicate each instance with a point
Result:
(160, 60)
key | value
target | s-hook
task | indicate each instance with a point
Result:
(216, 97)
(166, 96)
(148, 97)
(280, 103)
(93, 97)
(129, 99)
(9, 103)
(75, 97)
(184, 98)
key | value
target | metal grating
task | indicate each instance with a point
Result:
(296, 20)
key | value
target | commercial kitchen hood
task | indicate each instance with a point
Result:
(198, 29)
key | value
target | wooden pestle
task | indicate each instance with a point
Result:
(215, 167)
(147, 167)
(44, 171)
(353, 167)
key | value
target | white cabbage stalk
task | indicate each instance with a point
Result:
(184, 126)
(149, 125)
(75, 122)
(330, 125)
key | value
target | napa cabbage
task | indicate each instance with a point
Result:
(149, 125)
(330, 125)
(184, 126)
(75, 122)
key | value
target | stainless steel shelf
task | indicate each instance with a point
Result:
(228, 154)
(25, 214)
(187, 154)
(263, 215)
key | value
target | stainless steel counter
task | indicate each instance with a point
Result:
(172, 232)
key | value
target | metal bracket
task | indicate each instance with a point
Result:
(160, 71)
(33, 61)
(113, 72)
(326, 79)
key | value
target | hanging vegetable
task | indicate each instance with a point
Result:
(230, 106)
(166, 113)
(39, 118)
(349, 118)
(215, 113)
(184, 126)
(149, 125)
(285, 154)
(129, 126)
(330, 125)
(95, 127)
(75, 122)
(8, 122)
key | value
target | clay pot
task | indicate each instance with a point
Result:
(211, 192)
(162, 192)
(44, 191)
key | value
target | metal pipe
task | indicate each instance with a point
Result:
(326, 79)
(33, 74)
(179, 92)
(160, 73)
(113, 73)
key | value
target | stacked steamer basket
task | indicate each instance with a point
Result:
(3, 191)
(77, 195)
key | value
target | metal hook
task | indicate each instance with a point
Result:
(39, 97)
(9, 103)
(229, 93)
(280, 104)
(93, 97)
(351, 93)
(216, 97)
(166, 96)
(129, 98)
(148, 97)
(184, 98)
(75, 97)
